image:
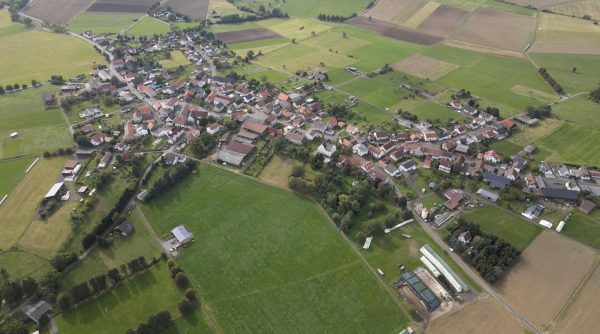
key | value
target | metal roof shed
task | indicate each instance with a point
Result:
(182, 234)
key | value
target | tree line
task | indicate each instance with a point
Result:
(171, 178)
(335, 18)
(253, 16)
(551, 81)
(489, 255)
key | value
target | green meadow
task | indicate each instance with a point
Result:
(587, 71)
(102, 23)
(147, 26)
(12, 172)
(267, 260)
(573, 144)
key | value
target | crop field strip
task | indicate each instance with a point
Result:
(100, 22)
(197, 9)
(563, 34)
(121, 6)
(267, 278)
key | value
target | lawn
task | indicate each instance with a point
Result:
(124, 306)
(510, 227)
(584, 228)
(122, 250)
(560, 66)
(21, 61)
(573, 144)
(103, 23)
(506, 148)
(580, 110)
(258, 72)
(432, 111)
(493, 78)
(267, 260)
(35, 141)
(149, 26)
(177, 59)
(12, 172)
(20, 265)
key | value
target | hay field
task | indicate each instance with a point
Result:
(249, 35)
(21, 61)
(267, 260)
(579, 9)
(57, 11)
(103, 23)
(581, 316)
(540, 3)
(12, 172)
(579, 110)
(533, 93)
(121, 6)
(424, 67)
(278, 171)
(483, 316)
(497, 29)
(545, 277)
(420, 16)
(563, 34)
(19, 209)
(573, 144)
(147, 26)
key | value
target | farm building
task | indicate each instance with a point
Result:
(489, 195)
(124, 228)
(533, 211)
(37, 311)
(561, 194)
(444, 268)
(421, 290)
(55, 190)
(182, 235)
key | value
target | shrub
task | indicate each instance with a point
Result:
(185, 307)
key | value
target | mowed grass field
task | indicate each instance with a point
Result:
(573, 144)
(584, 228)
(19, 210)
(12, 172)
(147, 26)
(278, 171)
(39, 129)
(493, 78)
(177, 59)
(20, 265)
(266, 260)
(310, 8)
(122, 250)
(22, 61)
(510, 227)
(102, 23)
(126, 305)
(560, 66)
(580, 110)
(563, 34)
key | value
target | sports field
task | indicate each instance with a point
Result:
(492, 77)
(12, 172)
(149, 26)
(39, 129)
(510, 227)
(560, 66)
(573, 144)
(267, 260)
(21, 61)
(535, 287)
(125, 306)
(102, 23)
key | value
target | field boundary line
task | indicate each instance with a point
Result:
(573, 297)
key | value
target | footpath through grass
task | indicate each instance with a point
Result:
(266, 260)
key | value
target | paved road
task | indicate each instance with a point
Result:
(476, 277)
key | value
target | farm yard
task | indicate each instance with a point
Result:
(195, 9)
(278, 246)
(103, 23)
(546, 276)
(483, 316)
(46, 10)
(63, 54)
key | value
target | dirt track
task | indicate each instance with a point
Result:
(249, 35)
(546, 276)
(46, 10)
(497, 29)
(443, 21)
(394, 31)
(484, 316)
